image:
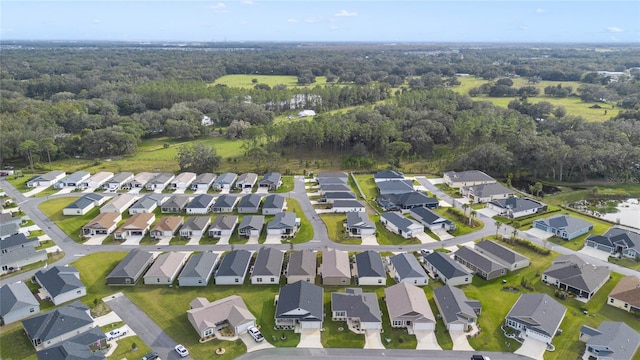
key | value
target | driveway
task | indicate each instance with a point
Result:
(425, 239)
(443, 234)
(132, 240)
(487, 212)
(165, 240)
(426, 340)
(460, 341)
(372, 339)
(35, 191)
(224, 240)
(532, 348)
(95, 240)
(262, 190)
(142, 325)
(273, 239)
(252, 345)
(369, 240)
(310, 338)
(253, 240)
(195, 240)
(540, 234)
(589, 251)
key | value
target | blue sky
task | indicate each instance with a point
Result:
(302, 20)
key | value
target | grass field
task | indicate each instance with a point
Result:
(71, 225)
(336, 229)
(245, 81)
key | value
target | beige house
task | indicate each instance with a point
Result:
(166, 268)
(137, 225)
(408, 307)
(119, 204)
(166, 227)
(335, 268)
(207, 318)
(302, 267)
(103, 224)
(626, 294)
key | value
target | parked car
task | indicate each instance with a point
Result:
(114, 334)
(479, 357)
(181, 350)
(151, 356)
(255, 333)
(425, 252)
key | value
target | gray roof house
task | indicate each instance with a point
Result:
(358, 224)
(516, 207)
(9, 225)
(369, 269)
(130, 269)
(84, 346)
(406, 201)
(563, 226)
(118, 181)
(201, 204)
(160, 181)
(198, 270)
(347, 206)
(207, 318)
(572, 274)
(457, 311)
(484, 266)
(224, 181)
(274, 204)
(195, 226)
(611, 340)
(431, 219)
(17, 251)
(271, 181)
(324, 188)
(284, 224)
(302, 267)
(84, 204)
(447, 270)
(61, 283)
(246, 180)
(502, 254)
(251, 225)
(387, 175)
(617, 240)
(47, 179)
(331, 196)
(268, 266)
(409, 308)
(223, 226)
(17, 303)
(360, 310)
(72, 180)
(224, 204)
(537, 316)
(249, 204)
(233, 267)
(300, 303)
(165, 268)
(175, 205)
(467, 178)
(53, 327)
(401, 225)
(203, 181)
(484, 193)
(332, 174)
(139, 181)
(183, 180)
(395, 187)
(96, 180)
(145, 204)
(406, 268)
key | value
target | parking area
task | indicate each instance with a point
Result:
(195, 240)
(310, 338)
(252, 345)
(273, 239)
(425, 239)
(132, 240)
(372, 340)
(443, 234)
(369, 240)
(532, 348)
(460, 341)
(253, 239)
(426, 340)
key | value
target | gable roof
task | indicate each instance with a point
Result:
(357, 304)
(335, 263)
(205, 178)
(575, 272)
(403, 298)
(468, 176)
(332, 174)
(225, 201)
(76, 177)
(427, 216)
(478, 260)
(302, 262)
(627, 290)
(234, 263)
(393, 186)
(166, 264)
(119, 201)
(201, 201)
(348, 204)
(539, 312)
(271, 178)
(454, 304)
(248, 178)
(251, 200)
(335, 187)
(489, 190)
(51, 175)
(412, 198)
(138, 221)
(448, 267)
(145, 202)
(204, 314)
(75, 348)
(407, 266)
(273, 201)
(301, 295)
(176, 201)
(614, 340)
(340, 195)
(359, 220)
(121, 177)
(518, 204)
(162, 178)
(103, 221)
(49, 325)
(225, 222)
(131, 265)
(369, 264)
(15, 240)
(252, 221)
(16, 296)
(199, 265)
(282, 220)
(268, 262)
(84, 201)
(226, 178)
(570, 224)
(196, 223)
(618, 236)
(59, 279)
(503, 253)
(400, 222)
(185, 177)
(388, 174)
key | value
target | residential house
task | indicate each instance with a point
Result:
(53, 327)
(395, 187)
(302, 267)
(229, 313)
(139, 181)
(200, 205)
(360, 310)
(17, 251)
(484, 193)
(387, 175)
(119, 204)
(536, 316)
(223, 226)
(47, 179)
(86, 346)
(182, 181)
(274, 204)
(249, 204)
(136, 225)
(334, 188)
(484, 266)
(467, 178)
(359, 224)
(246, 181)
(563, 226)
(96, 180)
(268, 266)
(199, 269)
(130, 269)
(195, 226)
(445, 269)
(431, 220)
(284, 224)
(335, 268)
(9, 225)
(299, 304)
(145, 204)
(457, 311)
(175, 204)
(573, 275)
(331, 196)
(502, 254)
(118, 181)
(84, 204)
(224, 181)
(406, 201)
(72, 180)
(159, 182)
(103, 224)
(611, 340)
(405, 268)
(400, 225)
(347, 206)
(514, 208)
(165, 268)
(626, 295)
(203, 181)
(61, 284)
(617, 241)
(224, 204)
(233, 267)
(251, 225)
(271, 180)
(369, 269)
(166, 227)
(333, 174)
(17, 303)
(408, 308)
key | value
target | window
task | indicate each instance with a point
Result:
(79, 292)
(32, 310)
(611, 300)
(200, 281)
(259, 279)
(379, 281)
(273, 279)
(237, 280)
(626, 306)
(158, 279)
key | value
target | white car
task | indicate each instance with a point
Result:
(114, 334)
(181, 350)
(255, 333)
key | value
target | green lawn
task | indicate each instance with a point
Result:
(19, 181)
(287, 184)
(336, 229)
(306, 230)
(14, 343)
(124, 349)
(71, 225)
(386, 237)
(367, 185)
(336, 334)
(245, 81)
(462, 223)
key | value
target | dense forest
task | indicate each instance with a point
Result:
(98, 100)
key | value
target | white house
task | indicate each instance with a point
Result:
(400, 225)
(183, 180)
(61, 284)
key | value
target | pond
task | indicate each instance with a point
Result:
(628, 213)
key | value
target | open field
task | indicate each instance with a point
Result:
(71, 225)
(336, 230)
(245, 81)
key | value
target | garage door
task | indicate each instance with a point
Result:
(456, 327)
(242, 328)
(424, 326)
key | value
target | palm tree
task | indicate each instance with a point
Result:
(498, 226)
(516, 225)
(465, 206)
(473, 214)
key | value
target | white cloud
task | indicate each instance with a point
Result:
(540, 11)
(96, 21)
(292, 21)
(248, 2)
(346, 13)
(218, 7)
(523, 28)
(614, 29)
(333, 27)
(312, 20)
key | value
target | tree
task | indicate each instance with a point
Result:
(28, 148)
(198, 158)
(258, 155)
(48, 146)
(472, 215)
(516, 225)
(498, 227)
(536, 188)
